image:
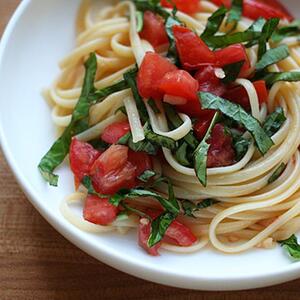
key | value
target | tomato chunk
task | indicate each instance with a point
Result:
(153, 69)
(233, 54)
(262, 91)
(202, 125)
(193, 52)
(221, 152)
(226, 3)
(112, 171)
(187, 6)
(99, 210)
(141, 161)
(144, 232)
(82, 156)
(154, 30)
(115, 131)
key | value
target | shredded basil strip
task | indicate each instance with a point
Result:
(239, 142)
(87, 183)
(292, 29)
(214, 22)
(139, 21)
(272, 56)
(238, 114)
(201, 153)
(153, 106)
(147, 175)
(256, 26)
(134, 210)
(181, 155)
(190, 208)
(292, 246)
(277, 173)
(274, 121)
(267, 31)
(273, 77)
(235, 12)
(232, 71)
(153, 6)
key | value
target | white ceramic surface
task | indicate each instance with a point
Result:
(39, 34)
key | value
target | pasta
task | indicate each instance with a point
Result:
(248, 210)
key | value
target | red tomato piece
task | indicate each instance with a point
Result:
(141, 161)
(278, 5)
(153, 69)
(179, 83)
(254, 9)
(233, 54)
(226, 3)
(239, 95)
(112, 171)
(202, 125)
(144, 231)
(186, 6)
(193, 52)
(112, 133)
(82, 156)
(99, 210)
(154, 30)
(221, 152)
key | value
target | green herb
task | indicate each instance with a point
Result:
(274, 121)
(134, 210)
(235, 12)
(292, 246)
(181, 155)
(272, 56)
(201, 153)
(87, 183)
(140, 21)
(267, 31)
(290, 30)
(190, 208)
(232, 71)
(273, 77)
(237, 113)
(214, 22)
(277, 173)
(256, 26)
(147, 175)
(153, 106)
(159, 226)
(130, 78)
(241, 146)
(152, 5)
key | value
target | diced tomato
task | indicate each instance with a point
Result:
(112, 171)
(187, 6)
(153, 69)
(202, 125)
(233, 54)
(181, 84)
(154, 30)
(99, 210)
(115, 131)
(226, 3)
(209, 82)
(144, 231)
(254, 9)
(141, 161)
(193, 52)
(240, 96)
(221, 152)
(82, 156)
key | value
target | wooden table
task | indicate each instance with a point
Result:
(38, 263)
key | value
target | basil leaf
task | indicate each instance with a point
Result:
(172, 51)
(232, 71)
(87, 183)
(238, 114)
(176, 122)
(277, 173)
(134, 210)
(159, 226)
(256, 26)
(214, 22)
(222, 41)
(273, 77)
(181, 155)
(190, 208)
(272, 56)
(292, 29)
(151, 5)
(79, 122)
(292, 246)
(235, 12)
(139, 21)
(274, 121)
(147, 175)
(200, 154)
(153, 106)
(130, 78)
(241, 146)
(267, 31)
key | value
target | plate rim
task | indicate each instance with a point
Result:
(115, 260)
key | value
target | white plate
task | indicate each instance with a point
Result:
(39, 34)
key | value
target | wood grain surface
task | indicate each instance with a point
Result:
(38, 263)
